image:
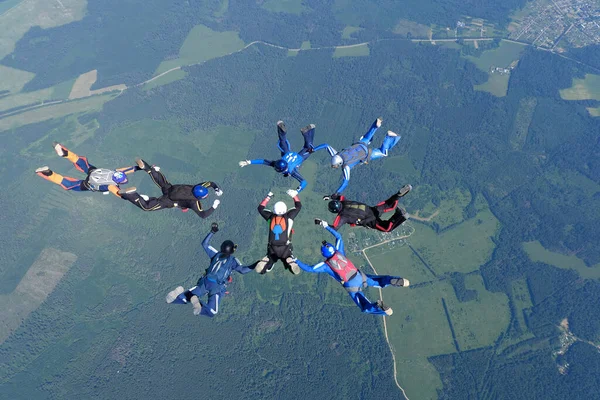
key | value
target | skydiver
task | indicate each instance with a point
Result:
(281, 221)
(290, 162)
(352, 279)
(214, 281)
(355, 213)
(97, 180)
(359, 153)
(182, 196)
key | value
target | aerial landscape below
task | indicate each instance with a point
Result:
(440, 160)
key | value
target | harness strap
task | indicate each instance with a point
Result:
(354, 289)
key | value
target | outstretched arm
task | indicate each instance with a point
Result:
(257, 161)
(323, 146)
(339, 242)
(210, 251)
(266, 214)
(345, 180)
(197, 207)
(129, 170)
(293, 213)
(332, 152)
(242, 269)
(296, 175)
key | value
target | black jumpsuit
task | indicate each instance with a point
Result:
(360, 214)
(173, 196)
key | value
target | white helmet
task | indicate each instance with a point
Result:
(280, 208)
(337, 161)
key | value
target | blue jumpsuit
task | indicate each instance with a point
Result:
(354, 285)
(359, 153)
(209, 284)
(294, 160)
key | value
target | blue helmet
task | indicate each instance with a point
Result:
(119, 177)
(280, 165)
(200, 192)
(327, 250)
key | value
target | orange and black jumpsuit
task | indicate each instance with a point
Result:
(355, 213)
(279, 246)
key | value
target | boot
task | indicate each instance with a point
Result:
(173, 294)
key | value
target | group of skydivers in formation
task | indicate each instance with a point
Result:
(280, 221)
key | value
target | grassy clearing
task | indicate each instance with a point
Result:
(23, 99)
(39, 281)
(13, 80)
(7, 5)
(583, 89)
(405, 27)
(349, 31)
(521, 299)
(538, 253)
(594, 112)
(402, 261)
(224, 7)
(451, 204)
(463, 248)
(54, 111)
(418, 329)
(496, 84)
(284, 6)
(479, 322)
(502, 57)
(522, 121)
(203, 44)
(305, 45)
(16, 21)
(354, 51)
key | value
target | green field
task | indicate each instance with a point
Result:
(7, 5)
(502, 57)
(583, 89)
(538, 253)
(405, 27)
(45, 113)
(355, 51)
(16, 21)
(400, 260)
(12, 79)
(451, 204)
(463, 248)
(284, 6)
(203, 44)
(594, 112)
(349, 31)
(420, 329)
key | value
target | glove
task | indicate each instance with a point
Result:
(244, 163)
(219, 192)
(156, 168)
(324, 224)
(216, 204)
(270, 194)
(214, 228)
(326, 198)
(292, 193)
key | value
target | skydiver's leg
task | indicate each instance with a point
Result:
(290, 262)
(367, 137)
(210, 308)
(264, 265)
(388, 205)
(391, 139)
(65, 182)
(159, 179)
(365, 305)
(381, 281)
(81, 163)
(151, 204)
(284, 144)
(308, 132)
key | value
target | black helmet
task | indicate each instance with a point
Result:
(228, 247)
(280, 165)
(335, 206)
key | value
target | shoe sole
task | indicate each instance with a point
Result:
(63, 152)
(196, 303)
(42, 169)
(404, 190)
(141, 163)
(173, 294)
(307, 128)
